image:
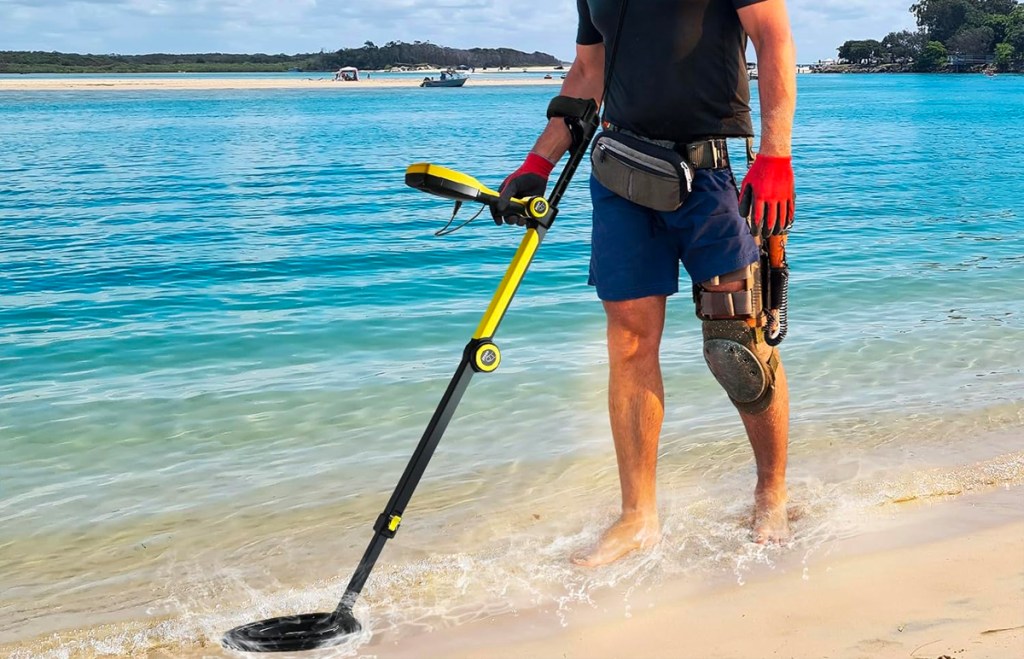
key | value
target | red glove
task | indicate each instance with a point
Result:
(768, 195)
(530, 180)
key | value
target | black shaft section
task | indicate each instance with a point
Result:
(575, 158)
(362, 573)
(431, 436)
(411, 478)
(587, 126)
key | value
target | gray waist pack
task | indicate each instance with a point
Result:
(642, 171)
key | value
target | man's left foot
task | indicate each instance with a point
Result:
(771, 522)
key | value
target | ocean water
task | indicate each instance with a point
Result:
(225, 321)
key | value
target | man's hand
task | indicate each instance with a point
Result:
(768, 195)
(530, 180)
(767, 190)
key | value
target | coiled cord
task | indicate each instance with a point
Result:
(777, 338)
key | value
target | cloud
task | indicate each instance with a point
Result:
(293, 26)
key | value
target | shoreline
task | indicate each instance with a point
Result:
(926, 567)
(319, 80)
(902, 589)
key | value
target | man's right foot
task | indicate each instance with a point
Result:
(626, 535)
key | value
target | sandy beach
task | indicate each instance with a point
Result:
(322, 82)
(931, 581)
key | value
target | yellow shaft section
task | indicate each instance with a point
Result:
(509, 283)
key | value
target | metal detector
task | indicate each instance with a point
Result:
(316, 630)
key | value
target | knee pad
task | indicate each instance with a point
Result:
(742, 362)
(734, 345)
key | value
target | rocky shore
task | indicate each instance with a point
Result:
(906, 68)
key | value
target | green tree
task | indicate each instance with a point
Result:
(971, 42)
(944, 18)
(999, 24)
(1015, 29)
(903, 46)
(933, 57)
(996, 6)
(856, 52)
(1004, 56)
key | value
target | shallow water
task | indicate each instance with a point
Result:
(226, 322)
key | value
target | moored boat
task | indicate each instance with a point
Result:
(448, 78)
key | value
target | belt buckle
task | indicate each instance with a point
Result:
(703, 148)
(714, 153)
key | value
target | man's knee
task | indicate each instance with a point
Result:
(734, 347)
(635, 327)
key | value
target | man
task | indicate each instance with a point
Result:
(679, 76)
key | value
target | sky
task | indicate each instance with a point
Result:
(302, 26)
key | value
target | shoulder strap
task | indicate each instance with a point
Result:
(611, 61)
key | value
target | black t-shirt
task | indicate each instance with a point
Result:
(680, 72)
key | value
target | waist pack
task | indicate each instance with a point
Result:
(644, 172)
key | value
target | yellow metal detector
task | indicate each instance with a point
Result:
(317, 630)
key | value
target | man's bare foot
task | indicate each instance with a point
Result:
(771, 523)
(627, 534)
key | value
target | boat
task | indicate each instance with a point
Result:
(447, 78)
(443, 82)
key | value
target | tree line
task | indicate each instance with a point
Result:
(396, 53)
(368, 56)
(966, 32)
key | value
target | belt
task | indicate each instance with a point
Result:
(707, 154)
(712, 153)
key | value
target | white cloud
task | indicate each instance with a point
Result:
(292, 26)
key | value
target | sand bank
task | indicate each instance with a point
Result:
(324, 83)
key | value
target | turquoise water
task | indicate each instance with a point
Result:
(226, 322)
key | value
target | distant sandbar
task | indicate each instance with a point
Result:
(325, 82)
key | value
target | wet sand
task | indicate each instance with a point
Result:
(907, 590)
(930, 576)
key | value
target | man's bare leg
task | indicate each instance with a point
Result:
(636, 407)
(768, 433)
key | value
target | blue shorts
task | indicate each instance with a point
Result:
(635, 252)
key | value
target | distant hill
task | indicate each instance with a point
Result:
(368, 56)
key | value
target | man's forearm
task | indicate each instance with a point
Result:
(582, 81)
(776, 84)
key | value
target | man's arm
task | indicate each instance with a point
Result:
(585, 79)
(767, 24)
